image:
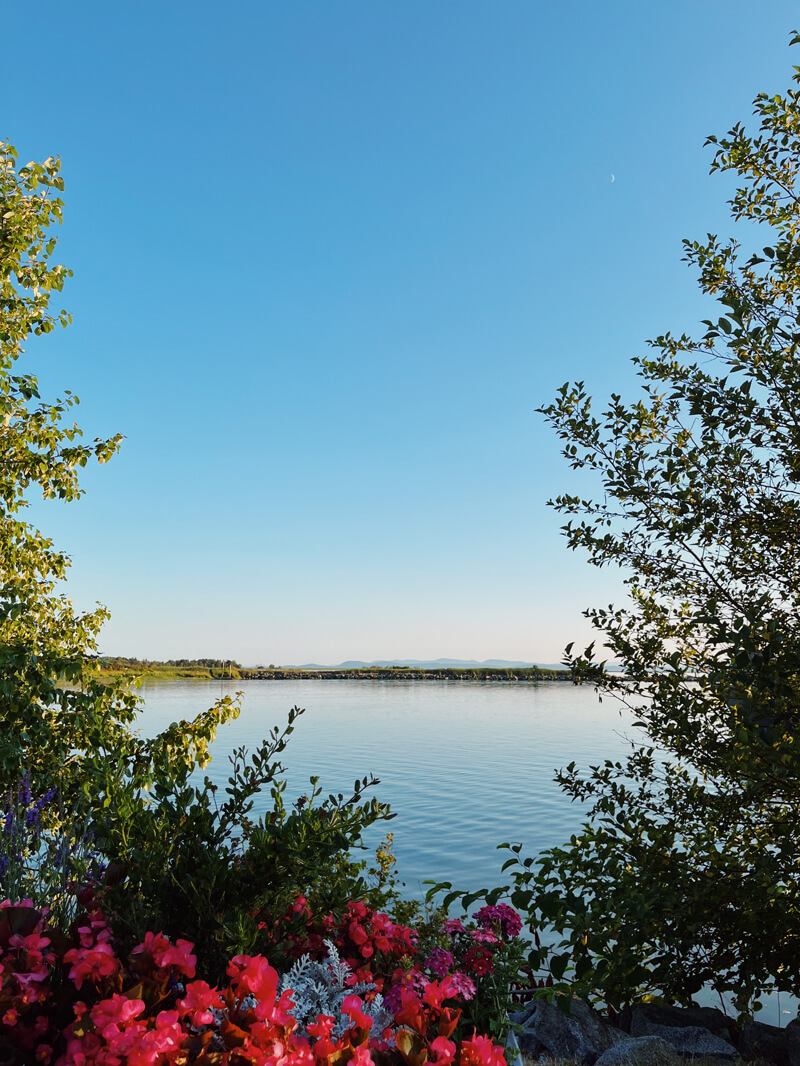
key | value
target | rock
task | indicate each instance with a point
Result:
(792, 1031)
(528, 1043)
(640, 1051)
(689, 1040)
(581, 1035)
(616, 1034)
(679, 1017)
(761, 1041)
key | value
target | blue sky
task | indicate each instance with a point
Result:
(329, 257)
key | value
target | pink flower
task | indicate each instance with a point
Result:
(362, 1057)
(92, 963)
(277, 1013)
(110, 1016)
(178, 956)
(485, 936)
(253, 974)
(444, 1050)
(151, 1044)
(439, 962)
(152, 943)
(352, 1005)
(197, 1002)
(480, 1051)
(321, 1028)
(502, 917)
(463, 985)
(11, 1016)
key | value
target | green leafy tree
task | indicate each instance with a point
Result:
(687, 871)
(177, 858)
(57, 724)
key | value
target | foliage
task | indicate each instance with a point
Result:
(58, 725)
(686, 872)
(44, 853)
(175, 856)
(76, 999)
(210, 872)
(322, 988)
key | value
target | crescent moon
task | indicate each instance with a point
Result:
(612, 177)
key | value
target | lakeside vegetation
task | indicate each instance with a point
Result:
(224, 669)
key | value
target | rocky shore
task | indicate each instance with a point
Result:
(652, 1035)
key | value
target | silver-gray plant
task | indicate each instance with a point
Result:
(321, 988)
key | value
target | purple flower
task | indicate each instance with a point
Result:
(500, 915)
(439, 962)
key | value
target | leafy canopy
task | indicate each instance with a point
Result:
(175, 856)
(687, 870)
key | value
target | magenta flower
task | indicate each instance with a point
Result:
(439, 962)
(502, 916)
(453, 926)
(463, 985)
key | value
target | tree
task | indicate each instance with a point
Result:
(58, 724)
(687, 871)
(176, 855)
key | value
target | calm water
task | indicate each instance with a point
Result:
(465, 765)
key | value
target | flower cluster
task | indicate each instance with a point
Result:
(483, 959)
(366, 939)
(149, 1010)
(500, 919)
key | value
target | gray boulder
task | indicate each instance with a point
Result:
(761, 1041)
(640, 1051)
(582, 1035)
(688, 1040)
(793, 1042)
(680, 1017)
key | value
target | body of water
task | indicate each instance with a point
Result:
(464, 765)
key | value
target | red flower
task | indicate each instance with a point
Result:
(443, 1050)
(197, 1002)
(352, 1005)
(93, 963)
(480, 1051)
(478, 960)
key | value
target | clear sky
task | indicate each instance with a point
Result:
(329, 257)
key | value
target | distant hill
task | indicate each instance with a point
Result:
(431, 664)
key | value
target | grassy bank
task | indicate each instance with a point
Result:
(217, 669)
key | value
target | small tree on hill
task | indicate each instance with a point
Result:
(687, 871)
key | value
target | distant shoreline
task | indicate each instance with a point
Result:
(398, 673)
(154, 671)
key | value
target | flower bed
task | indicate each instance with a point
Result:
(366, 994)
